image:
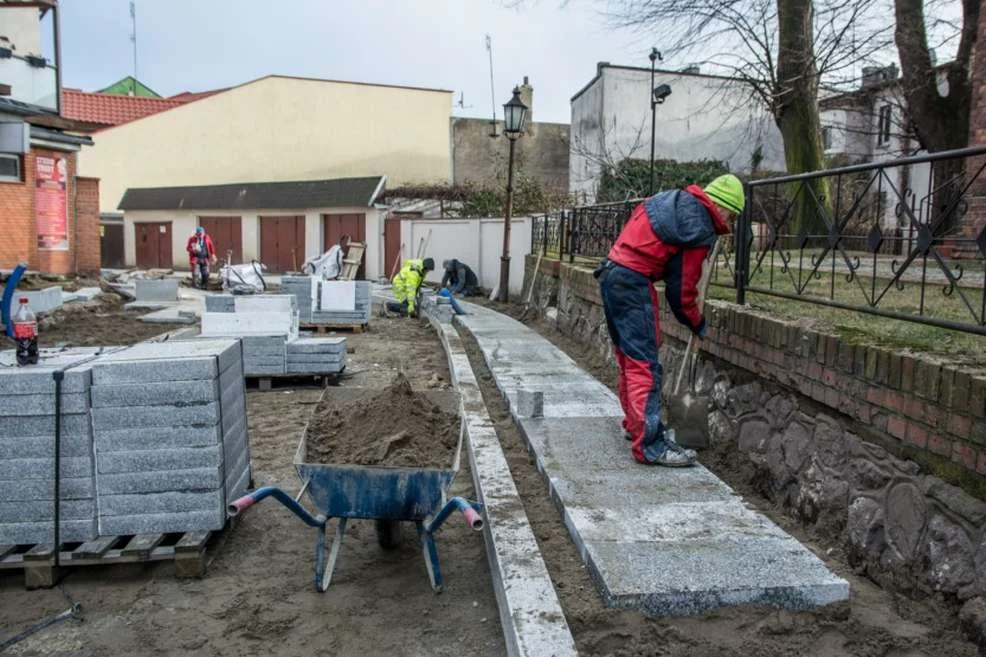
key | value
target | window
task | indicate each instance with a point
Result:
(10, 167)
(827, 138)
(883, 125)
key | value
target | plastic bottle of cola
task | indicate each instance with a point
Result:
(26, 334)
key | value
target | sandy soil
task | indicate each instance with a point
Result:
(258, 596)
(877, 623)
(100, 322)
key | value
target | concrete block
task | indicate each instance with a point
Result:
(265, 370)
(160, 523)
(320, 359)
(42, 447)
(316, 346)
(266, 303)
(220, 303)
(155, 416)
(157, 482)
(156, 438)
(155, 394)
(29, 426)
(172, 315)
(337, 295)
(39, 511)
(190, 458)
(25, 469)
(26, 533)
(43, 404)
(165, 289)
(253, 323)
(69, 488)
(87, 293)
(40, 301)
(170, 502)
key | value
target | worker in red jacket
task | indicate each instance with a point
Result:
(200, 252)
(666, 239)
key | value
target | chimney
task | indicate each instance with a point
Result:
(527, 97)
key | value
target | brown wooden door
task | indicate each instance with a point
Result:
(391, 245)
(334, 226)
(154, 245)
(282, 243)
(226, 234)
(111, 246)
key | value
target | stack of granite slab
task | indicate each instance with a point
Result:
(316, 356)
(342, 302)
(27, 448)
(303, 289)
(262, 322)
(170, 436)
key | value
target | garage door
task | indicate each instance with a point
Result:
(282, 243)
(227, 235)
(334, 226)
(153, 242)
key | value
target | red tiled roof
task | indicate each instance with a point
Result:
(189, 96)
(111, 109)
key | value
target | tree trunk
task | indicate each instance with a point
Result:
(796, 113)
(939, 122)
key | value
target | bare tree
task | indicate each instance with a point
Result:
(940, 121)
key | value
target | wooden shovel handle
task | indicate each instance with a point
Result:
(703, 288)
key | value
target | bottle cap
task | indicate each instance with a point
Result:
(23, 299)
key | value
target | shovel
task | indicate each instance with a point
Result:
(688, 413)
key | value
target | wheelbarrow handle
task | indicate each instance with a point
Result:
(469, 511)
(241, 504)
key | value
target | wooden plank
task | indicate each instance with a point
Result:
(141, 546)
(192, 542)
(94, 549)
(40, 553)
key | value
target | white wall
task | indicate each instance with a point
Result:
(704, 118)
(476, 242)
(183, 224)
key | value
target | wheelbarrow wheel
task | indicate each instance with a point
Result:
(388, 534)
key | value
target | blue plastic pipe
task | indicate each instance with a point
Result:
(8, 297)
(242, 504)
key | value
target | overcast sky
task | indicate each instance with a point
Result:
(204, 44)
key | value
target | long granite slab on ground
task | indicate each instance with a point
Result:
(668, 542)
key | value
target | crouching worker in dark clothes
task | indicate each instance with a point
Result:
(667, 238)
(459, 278)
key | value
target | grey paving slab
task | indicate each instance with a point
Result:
(161, 502)
(154, 394)
(160, 481)
(24, 469)
(37, 447)
(179, 314)
(43, 404)
(156, 371)
(151, 438)
(39, 511)
(668, 542)
(322, 359)
(160, 523)
(41, 301)
(225, 349)
(316, 345)
(265, 370)
(44, 532)
(313, 368)
(29, 426)
(189, 458)
(70, 488)
(37, 378)
(220, 303)
(155, 416)
(165, 289)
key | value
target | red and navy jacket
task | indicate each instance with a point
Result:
(666, 239)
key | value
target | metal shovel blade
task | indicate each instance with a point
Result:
(689, 416)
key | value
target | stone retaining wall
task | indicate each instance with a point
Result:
(886, 447)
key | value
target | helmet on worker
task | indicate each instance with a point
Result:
(199, 230)
(727, 192)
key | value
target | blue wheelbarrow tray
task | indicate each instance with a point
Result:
(387, 495)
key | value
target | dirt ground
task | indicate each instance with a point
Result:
(100, 322)
(879, 623)
(258, 596)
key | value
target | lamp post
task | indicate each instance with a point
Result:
(657, 96)
(514, 115)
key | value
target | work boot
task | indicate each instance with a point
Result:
(675, 457)
(669, 436)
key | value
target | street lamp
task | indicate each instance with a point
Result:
(514, 115)
(657, 96)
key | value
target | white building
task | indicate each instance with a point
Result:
(705, 117)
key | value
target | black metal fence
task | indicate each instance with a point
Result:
(904, 239)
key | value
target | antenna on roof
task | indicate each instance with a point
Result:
(133, 40)
(489, 48)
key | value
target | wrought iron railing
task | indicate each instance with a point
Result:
(822, 238)
(904, 239)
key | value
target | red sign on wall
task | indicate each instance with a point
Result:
(51, 202)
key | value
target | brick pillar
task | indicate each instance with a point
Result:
(87, 244)
(975, 220)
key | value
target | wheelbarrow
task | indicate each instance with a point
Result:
(387, 495)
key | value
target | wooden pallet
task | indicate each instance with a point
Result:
(187, 550)
(351, 263)
(267, 381)
(322, 329)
